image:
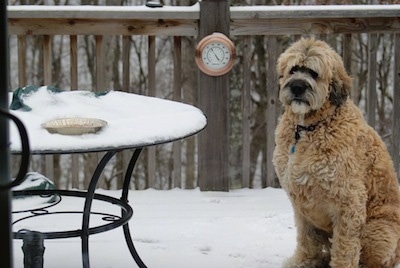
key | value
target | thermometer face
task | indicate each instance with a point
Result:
(216, 55)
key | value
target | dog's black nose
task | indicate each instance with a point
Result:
(298, 87)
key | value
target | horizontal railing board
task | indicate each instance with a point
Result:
(183, 21)
(192, 12)
(103, 12)
(102, 27)
(314, 11)
(314, 26)
(190, 28)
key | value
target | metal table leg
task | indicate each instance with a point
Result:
(88, 204)
(33, 248)
(124, 198)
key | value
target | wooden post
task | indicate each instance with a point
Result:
(177, 146)
(151, 151)
(213, 100)
(371, 86)
(47, 73)
(396, 105)
(272, 108)
(21, 60)
(126, 81)
(246, 110)
(73, 46)
(100, 80)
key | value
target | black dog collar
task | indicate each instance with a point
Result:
(300, 128)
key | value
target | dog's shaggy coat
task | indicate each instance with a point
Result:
(334, 167)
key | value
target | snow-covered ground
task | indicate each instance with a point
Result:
(180, 229)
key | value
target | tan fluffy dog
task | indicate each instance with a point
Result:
(335, 168)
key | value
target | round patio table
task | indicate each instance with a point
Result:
(133, 122)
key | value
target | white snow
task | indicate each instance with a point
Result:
(123, 9)
(132, 119)
(109, 12)
(245, 228)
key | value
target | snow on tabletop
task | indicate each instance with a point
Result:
(132, 120)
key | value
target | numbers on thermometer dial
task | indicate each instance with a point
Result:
(216, 55)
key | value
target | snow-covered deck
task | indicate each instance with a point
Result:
(244, 228)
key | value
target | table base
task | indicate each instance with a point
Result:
(113, 221)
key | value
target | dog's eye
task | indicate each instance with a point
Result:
(313, 74)
(294, 69)
(304, 69)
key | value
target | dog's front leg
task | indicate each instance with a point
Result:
(311, 246)
(346, 244)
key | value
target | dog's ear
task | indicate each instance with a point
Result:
(340, 87)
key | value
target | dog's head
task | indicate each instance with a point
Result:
(310, 74)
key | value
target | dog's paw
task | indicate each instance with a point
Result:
(310, 263)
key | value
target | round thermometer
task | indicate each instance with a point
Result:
(215, 54)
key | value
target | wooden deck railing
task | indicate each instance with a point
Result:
(271, 22)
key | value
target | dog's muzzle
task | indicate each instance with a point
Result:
(298, 87)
